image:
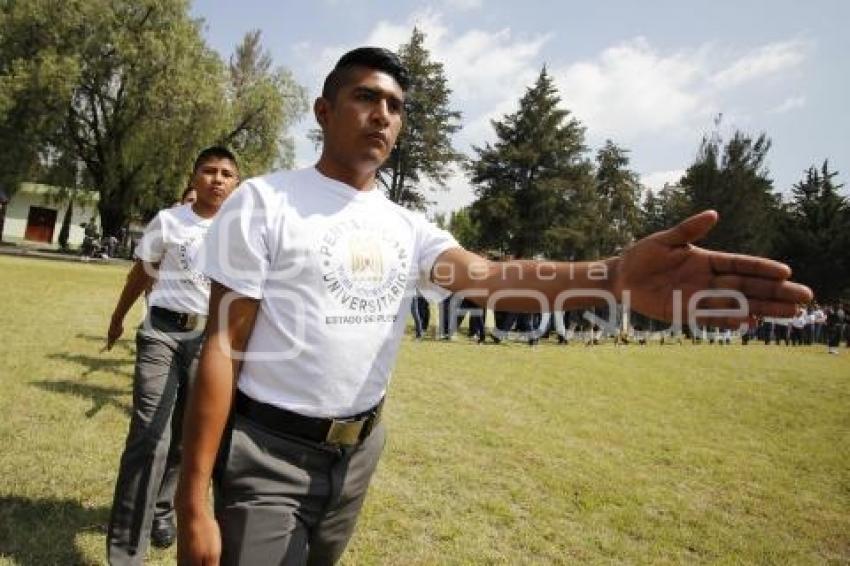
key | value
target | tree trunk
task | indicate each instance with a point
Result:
(112, 217)
(65, 231)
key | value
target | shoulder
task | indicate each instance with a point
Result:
(414, 219)
(162, 218)
(274, 188)
(281, 181)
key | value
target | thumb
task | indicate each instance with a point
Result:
(689, 230)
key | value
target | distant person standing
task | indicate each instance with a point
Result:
(798, 327)
(819, 325)
(167, 347)
(421, 311)
(835, 324)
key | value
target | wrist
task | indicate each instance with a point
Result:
(614, 279)
(190, 501)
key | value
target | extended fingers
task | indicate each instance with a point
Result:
(761, 288)
(726, 263)
(732, 307)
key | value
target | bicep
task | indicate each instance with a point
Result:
(231, 317)
(142, 274)
(457, 269)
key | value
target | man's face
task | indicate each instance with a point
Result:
(363, 120)
(214, 180)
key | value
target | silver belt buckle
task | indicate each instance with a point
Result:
(344, 433)
(191, 321)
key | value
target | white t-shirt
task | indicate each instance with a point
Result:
(335, 270)
(173, 239)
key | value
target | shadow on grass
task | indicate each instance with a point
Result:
(99, 395)
(128, 344)
(95, 363)
(34, 532)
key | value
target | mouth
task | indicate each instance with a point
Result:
(378, 136)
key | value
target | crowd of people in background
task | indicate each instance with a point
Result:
(813, 325)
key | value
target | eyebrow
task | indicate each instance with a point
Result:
(379, 92)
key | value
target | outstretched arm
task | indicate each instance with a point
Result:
(139, 279)
(228, 328)
(659, 274)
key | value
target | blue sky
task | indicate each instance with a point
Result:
(651, 75)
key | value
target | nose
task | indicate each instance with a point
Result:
(381, 112)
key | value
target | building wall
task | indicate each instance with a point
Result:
(29, 195)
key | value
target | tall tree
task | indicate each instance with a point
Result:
(264, 103)
(143, 94)
(733, 179)
(618, 189)
(815, 237)
(662, 209)
(423, 153)
(534, 182)
(38, 70)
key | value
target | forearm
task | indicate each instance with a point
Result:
(228, 330)
(530, 286)
(204, 423)
(137, 281)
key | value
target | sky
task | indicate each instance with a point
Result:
(652, 76)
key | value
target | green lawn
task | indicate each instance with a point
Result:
(496, 454)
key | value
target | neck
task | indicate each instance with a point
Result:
(204, 210)
(357, 179)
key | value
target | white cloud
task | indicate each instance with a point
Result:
(631, 89)
(761, 62)
(657, 179)
(480, 65)
(463, 5)
(789, 104)
(458, 193)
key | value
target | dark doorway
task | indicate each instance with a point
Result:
(40, 224)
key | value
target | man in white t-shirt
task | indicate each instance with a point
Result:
(168, 342)
(313, 273)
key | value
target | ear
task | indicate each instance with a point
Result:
(321, 109)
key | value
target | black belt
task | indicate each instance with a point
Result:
(349, 431)
(186, 321)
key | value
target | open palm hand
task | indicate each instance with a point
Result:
(664, 272)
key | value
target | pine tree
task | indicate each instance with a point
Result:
(423, 152)
(816, 234)
(662, 209)
(619, 195)
(534, 184)
(733, 179)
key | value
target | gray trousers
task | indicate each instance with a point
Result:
(287, 501)
(166, 362)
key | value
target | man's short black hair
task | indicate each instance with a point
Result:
(376, 58)
(214, 152)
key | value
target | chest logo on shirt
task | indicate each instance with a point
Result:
(188, 258)
(365, 270)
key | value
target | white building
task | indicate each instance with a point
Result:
(35, 213)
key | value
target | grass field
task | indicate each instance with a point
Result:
(496, 454)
